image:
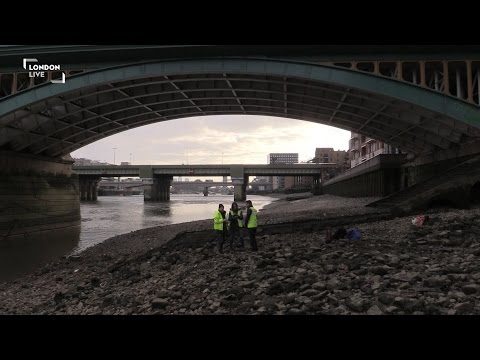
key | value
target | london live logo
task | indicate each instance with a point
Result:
(40, 70)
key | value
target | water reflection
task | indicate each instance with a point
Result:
(107, 217)
(20, 255)
(157, 209)
(115, 215)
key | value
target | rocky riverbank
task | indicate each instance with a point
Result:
(396, 268)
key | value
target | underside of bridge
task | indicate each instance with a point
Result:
(51, 120)
(56, 119)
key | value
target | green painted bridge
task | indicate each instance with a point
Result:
(422, 99)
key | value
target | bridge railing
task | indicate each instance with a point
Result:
(457, 78)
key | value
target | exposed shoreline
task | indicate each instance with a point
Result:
(395, 269)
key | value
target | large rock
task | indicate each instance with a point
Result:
(336, 284)
(471, 289)
(295, 311)
(439, 281)
(309, 293)
(358, 304)
(464, 308)
(275, 288)
(320, 286)
(380, 270)
(374, 310)
(159, 303)
(387, 298)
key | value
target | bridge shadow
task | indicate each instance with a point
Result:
(475, 193)
(24, 254)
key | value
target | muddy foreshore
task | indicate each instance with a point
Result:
(396, 268)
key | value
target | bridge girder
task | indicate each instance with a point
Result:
(54, 120)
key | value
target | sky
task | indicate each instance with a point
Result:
(238, 139)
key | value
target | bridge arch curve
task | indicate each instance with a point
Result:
(56, 119)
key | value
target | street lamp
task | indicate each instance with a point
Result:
(114, 155)
(222, 157)
(130, 158)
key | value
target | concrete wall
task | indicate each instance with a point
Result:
(379, 176)
(384, 175)
(36, 195)
(375, 183)
(413, 173)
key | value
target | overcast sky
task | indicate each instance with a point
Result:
(241, 139)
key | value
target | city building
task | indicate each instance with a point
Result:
(88, 162)
(283, 158)
(282, 182)
(328, 155)
(363, 148)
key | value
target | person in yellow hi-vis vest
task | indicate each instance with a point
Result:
(220, 226)
(251, 224)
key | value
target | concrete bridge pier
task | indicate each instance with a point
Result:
(240, 189)
(157, 188)
(164, 184)
(93, 184)
(239, 181)
(317, 185)
(38, 195)
(88, 187)
(240, 193)
(95, 190)
(89, 191)
(149, 189)
(83, 190)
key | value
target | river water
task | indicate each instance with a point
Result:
(107, 217)
(115, 215)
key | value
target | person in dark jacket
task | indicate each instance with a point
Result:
(235, 219)
(251, 224)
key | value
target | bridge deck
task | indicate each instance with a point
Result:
(205, 170)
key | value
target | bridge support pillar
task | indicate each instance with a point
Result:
(83, 191)
(239, 181)
(39, 210)
(157, 188)
(240, 188)
(166, 191)
(317, 185)
(149, 185)
(240, 192)
(88, 187)
(165, 183)
(89, 190)
(94, 190)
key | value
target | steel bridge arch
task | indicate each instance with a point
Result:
(55, 119)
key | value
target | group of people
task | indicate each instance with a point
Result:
(234, 224)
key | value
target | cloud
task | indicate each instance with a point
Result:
(238, 139)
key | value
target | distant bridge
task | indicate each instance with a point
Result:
(133, 184)
(149, 171)
(157, 179)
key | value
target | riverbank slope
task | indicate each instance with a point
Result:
(395, 269)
